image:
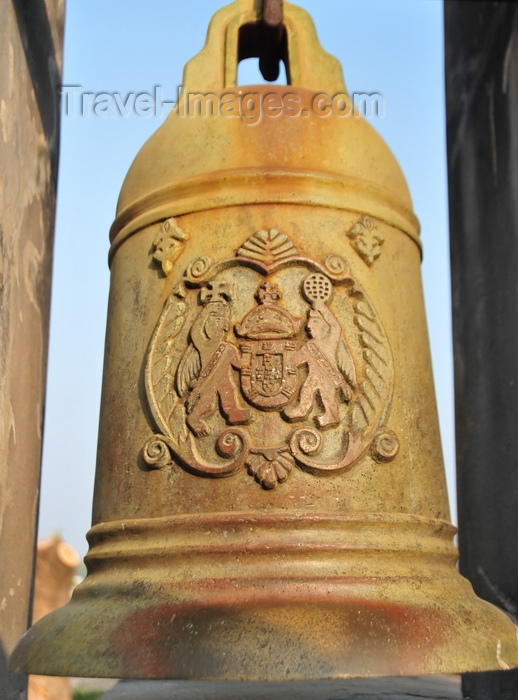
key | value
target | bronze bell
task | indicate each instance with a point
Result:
(270, 499)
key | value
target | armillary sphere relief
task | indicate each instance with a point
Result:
(268, 361)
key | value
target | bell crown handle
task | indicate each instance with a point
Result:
(214, 68)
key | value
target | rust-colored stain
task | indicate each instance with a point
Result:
(360, 632)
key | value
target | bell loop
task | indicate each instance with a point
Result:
(235, 33)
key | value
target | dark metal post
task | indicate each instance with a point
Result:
(481, 62)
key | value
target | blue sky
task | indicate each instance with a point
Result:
(393, 48)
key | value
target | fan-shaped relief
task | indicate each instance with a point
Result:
(267, 246)
(269, 360)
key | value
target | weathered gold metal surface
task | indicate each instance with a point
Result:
(270, 499)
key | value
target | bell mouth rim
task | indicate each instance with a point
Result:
(234, 610)
(347, 633)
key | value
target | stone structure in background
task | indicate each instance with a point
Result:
(31, 37)
(56, 564)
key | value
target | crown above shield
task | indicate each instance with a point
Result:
(268, 321)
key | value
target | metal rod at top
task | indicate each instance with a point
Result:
(272, 12)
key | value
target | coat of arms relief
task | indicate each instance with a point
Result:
(268, 361)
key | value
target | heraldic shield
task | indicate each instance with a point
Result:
(278, 376)
(268, 372)
(268, 378)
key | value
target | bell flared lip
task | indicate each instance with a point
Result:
(273, 599)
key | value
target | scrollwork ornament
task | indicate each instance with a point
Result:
(229, 443)
(385, 446)
(156, 453)
(336, 265)
(305, 440)
(199, 267)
